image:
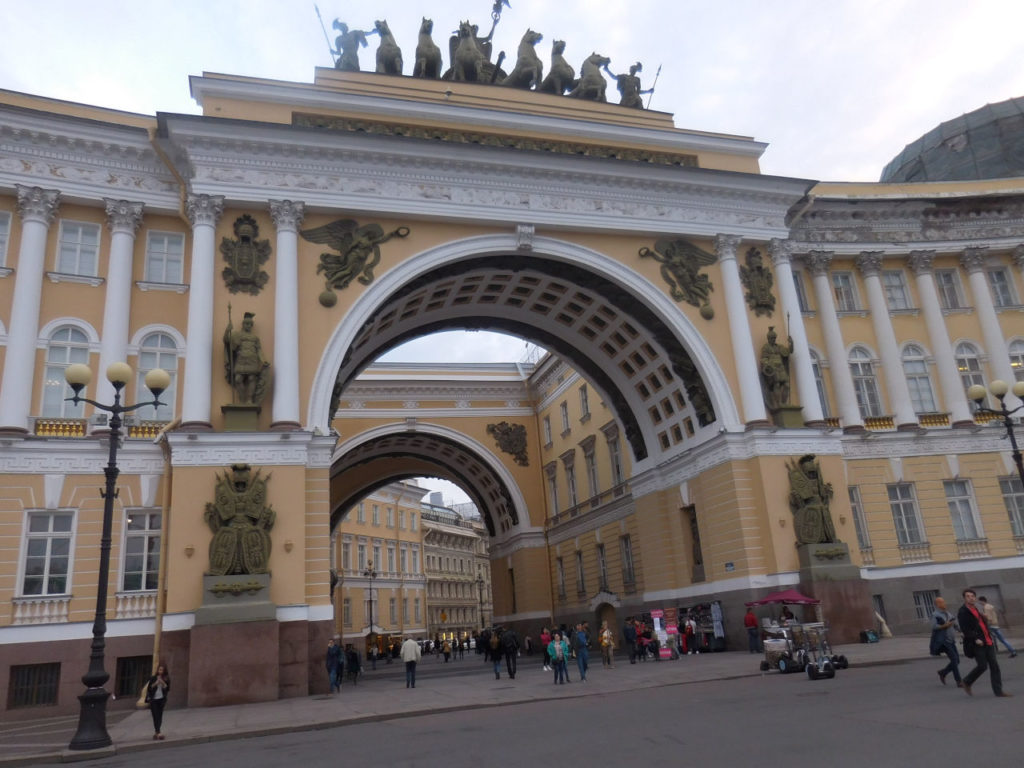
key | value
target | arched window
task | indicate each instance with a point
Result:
(969, 365)
(864, 383)
(67, 345)
(915, 368)
(819, 383)
(1017, 359)
(157, 350)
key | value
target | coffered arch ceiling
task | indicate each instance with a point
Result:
(640, 368)
(386, 458)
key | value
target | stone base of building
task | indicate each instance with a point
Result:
(828, 574)
(237, 598)
(234, 663)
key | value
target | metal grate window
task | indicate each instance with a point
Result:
(924, 603)
(33, 685)
(133, 672)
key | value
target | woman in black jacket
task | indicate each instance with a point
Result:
(156, 696)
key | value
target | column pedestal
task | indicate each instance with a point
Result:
(828, 574)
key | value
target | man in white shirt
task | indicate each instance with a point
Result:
(410, 655)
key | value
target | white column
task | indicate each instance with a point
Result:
(953, 393)
(37, 208)
(782, 252)
(203, 212)
(818, 263)
(123, 218)
(870, 265)
(974, 261)
(287, 216)
(739, 330)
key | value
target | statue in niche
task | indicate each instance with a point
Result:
(758, 281)
(428, 55)
(775, 370)
(680, 267)
(561, 76)
(511, 438)
(245, 255)
(630, 92)
(809, 500)
(348, 43)
(592, 85)
(240, 519)
(529, 70)
(358, 253)
(389, 55)
(244, 367)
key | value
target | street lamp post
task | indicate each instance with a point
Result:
(480, 589)
(92, 717)
(371, 575)
(999, 388)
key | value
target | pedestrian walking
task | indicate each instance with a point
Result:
(558, 652)
(446, 649)
(333, 662)
(753, 639)
(629, 635)
(410, 655)
(156, 696)
(545, 641)
(494, 649)
(992, 617)
(353, 662)
(582, 652)
(372, 653)
(979, 645)
(607, 640)
(944, 641)
(510, 648)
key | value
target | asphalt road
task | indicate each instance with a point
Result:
(896, 715)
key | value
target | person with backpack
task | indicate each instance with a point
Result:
(495, 652)
(558, 652)
(580, 642)
(510, 647)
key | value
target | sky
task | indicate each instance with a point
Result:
(836, 88)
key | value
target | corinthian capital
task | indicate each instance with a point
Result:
(37, 204)
(818, 262)
(204, 209)
(726, 245)
(287, 214)
(869, 263)
(1018, 256)
(123, 216)
(780, 250)
(920, 262)
(974, 259)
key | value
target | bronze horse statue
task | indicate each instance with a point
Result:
(562, 76)
(529, 69)
(389, 55)
(592, 84)
(428, 55)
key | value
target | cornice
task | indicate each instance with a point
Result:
(85, 456)
(84, 159)
(219, 449)
(449, 389)
(939, 442)
(516, 540)
(354, 409)
(611, 513)
(251, 163)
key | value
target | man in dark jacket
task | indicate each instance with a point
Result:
(978, 643)
(629, 634)
(510, 647)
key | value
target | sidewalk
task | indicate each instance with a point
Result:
(382, 695)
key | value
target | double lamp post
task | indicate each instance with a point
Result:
(999, 388)
(92, 717)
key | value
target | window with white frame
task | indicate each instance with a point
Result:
(845, 292)
(560, 576)
(547, 430)
(584, 404)
(375, 514)
(924, 603)
(377, 559)
(860, 523)
(947, 283)
(67, 345)
(390, 516)
(5, 236)
(391, 558)
(563, 409)
(801, 291)
(615, 458)
(819, 383)
(864, 383)
(141, 550)
(78, 248)
(1000, 283)
(402, 561)
(346, 556)
(405, 610)
(346, 611)
(570, 481)
(968, 364)
(895, 286)
(1017, 359)
(551, 471)
(157, 350)
(401, 519)
(47, 553)
(165, 257)
(361, 557)
(361, 514)
(412, 521)
(416, 608)
(415, 560)
(393, 610)
(915, 369)
(602, 567)
(1013, 498)
(581, 584)
(626, 549)
(590, 464)
(966, 524)
(905, 516)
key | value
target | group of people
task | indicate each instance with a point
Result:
(339, 659)
(977, 622)
(562, 644)
(500, 644)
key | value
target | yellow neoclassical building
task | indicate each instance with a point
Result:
(267, 252)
